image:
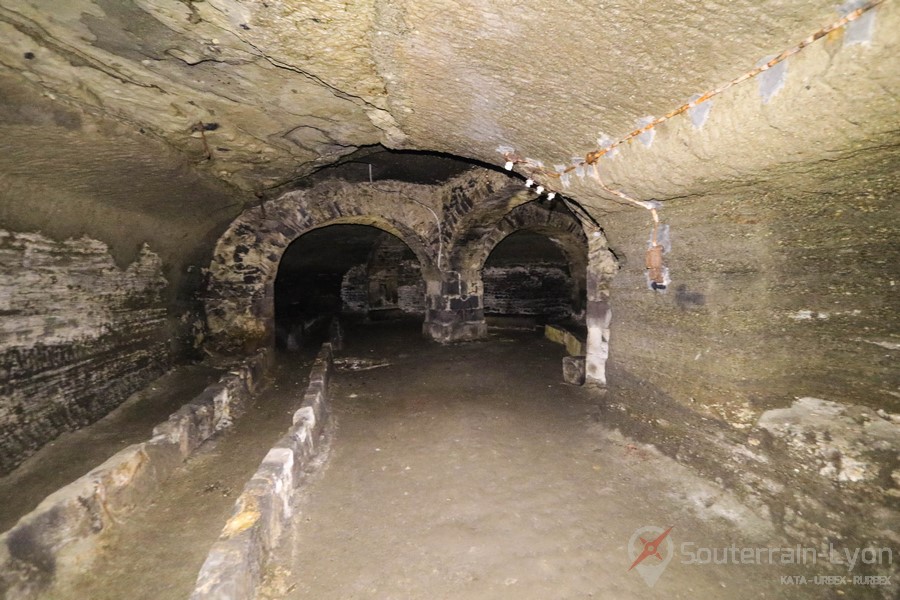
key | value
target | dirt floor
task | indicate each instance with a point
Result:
(458, 471)
(472, 471)
(73, 454)
(157, 552)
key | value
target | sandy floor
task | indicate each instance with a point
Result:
(471, 471)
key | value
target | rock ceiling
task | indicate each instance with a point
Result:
(260, 93)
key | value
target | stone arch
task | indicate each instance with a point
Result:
(585, 247)
(240, 286)
(527, 274)
(560, 227)
(473, 206)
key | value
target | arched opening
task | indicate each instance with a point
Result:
(240, 295)
(353, 270)
(528, 279)
(393, 281)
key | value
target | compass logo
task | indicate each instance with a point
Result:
(650, 549)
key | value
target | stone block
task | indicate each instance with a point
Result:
(318, 375)
(123, 479)
(336, 335)
(275, 478)
(300, 442)
(574, 345)
(193, 423)
(469, 302)
(450, 288)
(164, 455)
(467, 330)
(315, 400)
(442, 316)
(178, 429)
(60, 534)
(305, 414)
(227, 573)
(222, 417)
(573, 369)
(457, 331)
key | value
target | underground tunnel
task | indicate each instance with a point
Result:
(449, 299)
(354, 271)
(527, 276)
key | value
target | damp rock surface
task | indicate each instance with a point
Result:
(840, 439)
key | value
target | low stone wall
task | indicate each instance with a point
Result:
(574, 364)
(58, 536)
(574, 345)
(234, 566)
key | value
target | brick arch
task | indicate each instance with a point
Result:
(240, 288)
(561, 228)
(474, 207)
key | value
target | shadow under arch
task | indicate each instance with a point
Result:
(561, 228)
(356, 271)
(592, 266)
(239, 303)
(527, 275)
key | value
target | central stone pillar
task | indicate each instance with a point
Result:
(455, 310)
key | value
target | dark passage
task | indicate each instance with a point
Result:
(354, 270)
(527, 275)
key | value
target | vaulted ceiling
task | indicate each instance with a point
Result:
(260, 93)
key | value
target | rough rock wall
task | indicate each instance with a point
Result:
(534, 289)
(554, 81)
(355, 290)
(283, 87)
(395, 277)
(286, 86)
(71, 355)
(69, 173)
(77, 336)
(777, 293)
